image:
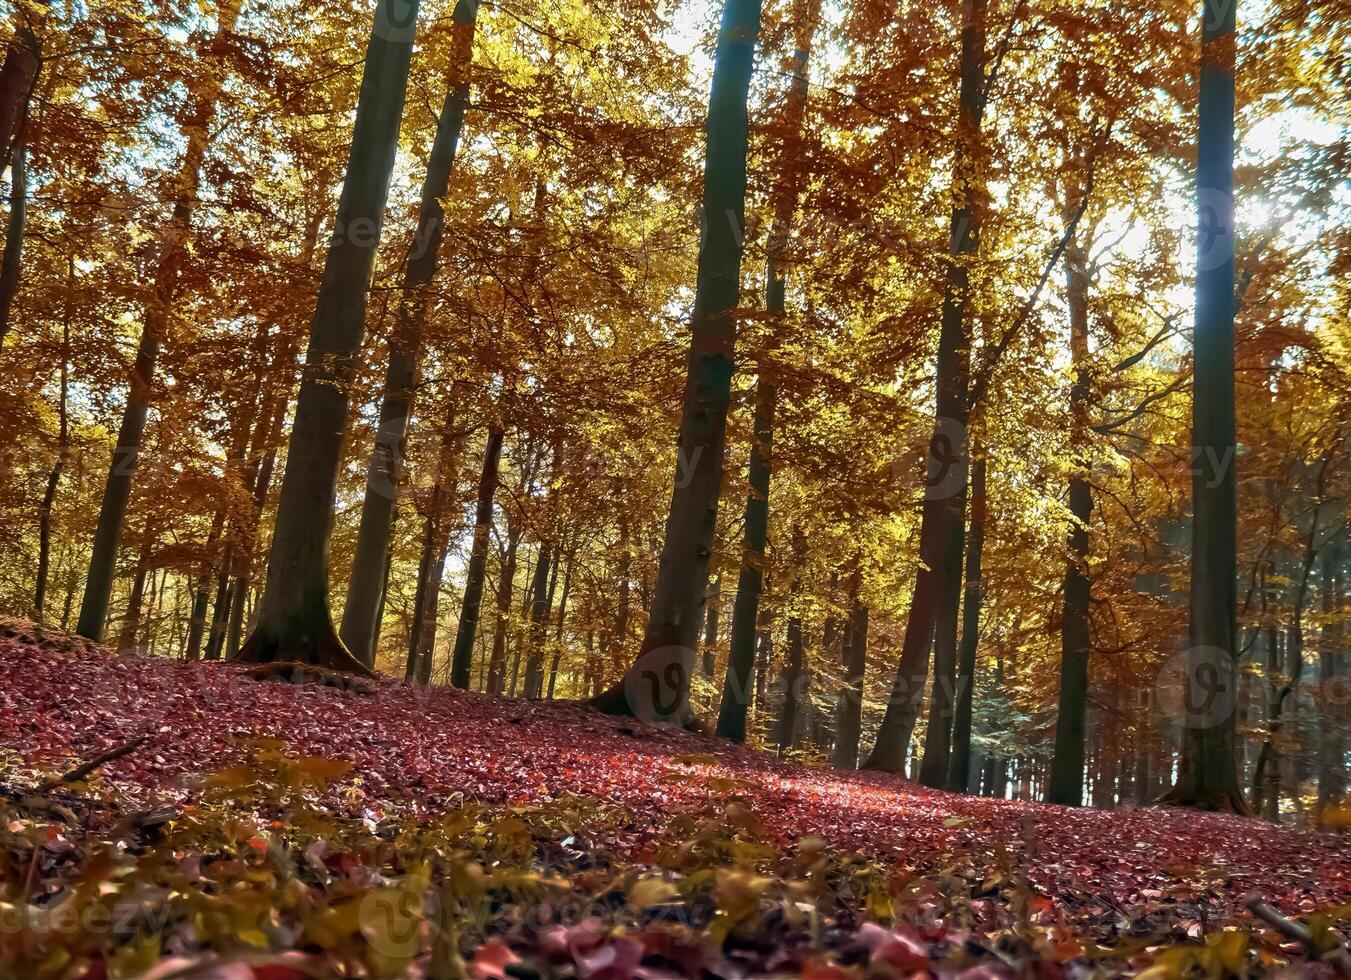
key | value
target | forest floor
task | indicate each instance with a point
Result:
(287, 830)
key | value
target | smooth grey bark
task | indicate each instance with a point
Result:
(1332, 714)
(18, 75)
(1208, 777)
(1067, 765)
(294, 622)
(663, 665)
(540, 603)
(158, 310)
(435, 548)
(462, 656)
(932, 621)
(959, 763)
(384, 473)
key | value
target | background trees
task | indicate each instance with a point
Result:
(554, 342)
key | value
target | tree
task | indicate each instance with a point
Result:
(932, 622)
(366, 586)
(665, 658)
(293, 620)
(157, 314)
(1207, 775)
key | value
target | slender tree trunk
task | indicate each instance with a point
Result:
(1331, 665)
(383, 476)
(131, 619)
(539, 621)
(558, 629)
(505, 583)
(711, 609)
(1207, 776)
(745, 608)
(157, 315)
(932, 621)
(293, 619)
(662, 670)
(11, 262)
(62, 450)
(793, 670)
(849, 714)
(1067, 768)
(959, 764)
(463, 654)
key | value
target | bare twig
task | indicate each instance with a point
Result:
(1338, 957)
(84, 769)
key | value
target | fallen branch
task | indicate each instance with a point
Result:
(1338, 957)
(84, 769)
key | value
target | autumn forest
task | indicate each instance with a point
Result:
(959, 393)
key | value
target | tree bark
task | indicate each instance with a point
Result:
(1331, 666)
(661, 672)
(384, 473)
(849, 713)
(932, 621)
(294, 622)
(62, 450)
(462, 656)
(157, 315)
(539, 621)
(1207, 776)
(11, 261)
(959, 764)
(18, 75)
(506, 576)
(1067, 767)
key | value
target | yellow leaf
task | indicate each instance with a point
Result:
(651, 891)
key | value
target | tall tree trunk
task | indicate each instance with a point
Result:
(1067, 767)
(293, 619)
(745, 609)
(1331, 666)
(959, 764)
(461, 658)
(849, 712)
(1207, 776)
(435, 547)
(711, 609)
(506, 576)
(661, 673)
(932, 621)
(383, 476)
(157, 315)
(558, 627)
(18, 75)
(131, 619)
(11, 261)
(539, 621)
(793, 670)
(62, 450)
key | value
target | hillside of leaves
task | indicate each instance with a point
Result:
(244, 834)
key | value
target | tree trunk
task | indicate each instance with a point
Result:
(383, 476)
(932, 621)
(62, 450)
(558, 629)
(661, 673)
(131, 620)
(505, 583)
(293, 619)
(1331, 665)
(793, 670)
(1067, 767)
(849, 714)
(711, 609)
(18, 75)
(959, 764)
(11, 262)
(157, 315)
(1207, 776)
(539, 621)
(462, 656)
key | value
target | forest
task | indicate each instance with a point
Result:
(831, 488)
